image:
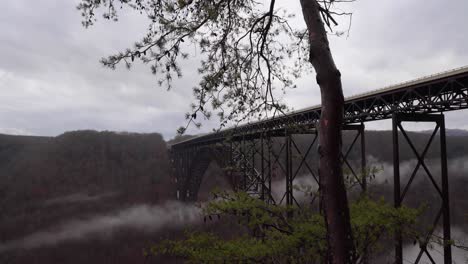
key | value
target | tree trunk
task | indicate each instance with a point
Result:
(333, 192)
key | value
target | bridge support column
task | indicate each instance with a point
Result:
(360, 178)
(292, 160)
(266, 146)
(248, 165)
(360, 175)
(289, 177)
(442, 189)
(180, 163)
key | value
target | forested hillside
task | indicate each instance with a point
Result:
(46, 181)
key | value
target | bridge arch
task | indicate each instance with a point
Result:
(190, 181)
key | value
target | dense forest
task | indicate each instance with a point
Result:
(47, 181)
(102, 197)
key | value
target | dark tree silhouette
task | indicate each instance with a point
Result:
(248, 48)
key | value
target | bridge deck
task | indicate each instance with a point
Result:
(439, 92)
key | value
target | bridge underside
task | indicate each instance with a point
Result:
(275, 165)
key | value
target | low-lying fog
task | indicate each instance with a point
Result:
(142, 217)
(153, 218)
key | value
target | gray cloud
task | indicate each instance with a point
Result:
(391, 42)
(51, 81)
(78, 198)
(303, 185)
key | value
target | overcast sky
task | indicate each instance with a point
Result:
(51, 80)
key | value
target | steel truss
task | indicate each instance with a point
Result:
(440, 93)
(253, 161)
(443, 190)
(260, 158)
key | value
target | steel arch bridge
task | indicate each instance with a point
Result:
(251, 160)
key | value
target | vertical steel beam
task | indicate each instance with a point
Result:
(262, 164)
(364, 176)
(253, 176)
(290, 172)
(187, 172)
(363, 159)
(396, 186)
(445, 193)
(244, 165)
(231, 166)
(288, 169)
(269, 166)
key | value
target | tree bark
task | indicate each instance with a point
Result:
(334, 201)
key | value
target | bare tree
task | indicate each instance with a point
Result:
(247, 50)
(333, 198)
